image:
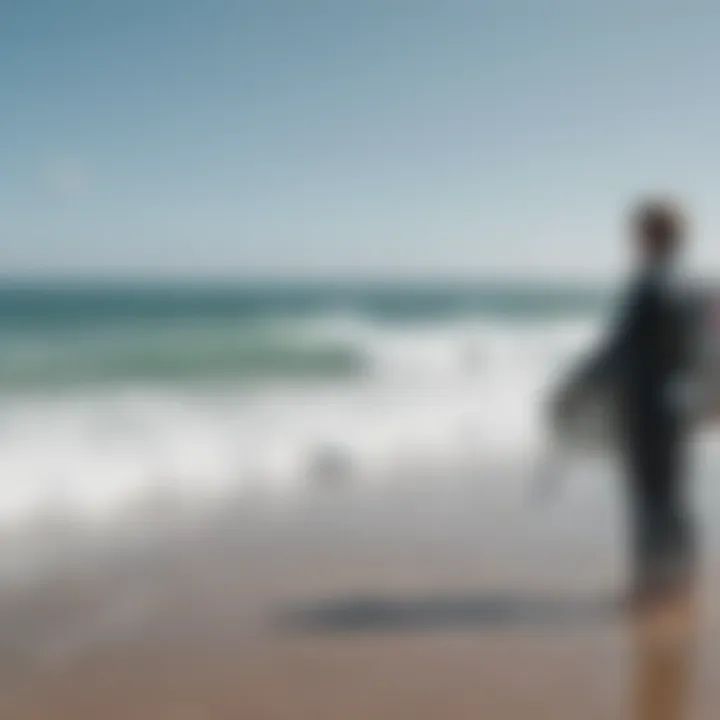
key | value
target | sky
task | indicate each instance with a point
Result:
(338, 137)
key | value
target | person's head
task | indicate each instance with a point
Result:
(658, 229)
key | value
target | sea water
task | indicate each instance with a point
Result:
(113, 392)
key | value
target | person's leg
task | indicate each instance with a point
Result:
(647, 546)
(680, 547)
(680, 541)
(664, 549)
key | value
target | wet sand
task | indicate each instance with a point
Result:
(445, 603)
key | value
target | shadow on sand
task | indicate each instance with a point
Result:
(488, 612)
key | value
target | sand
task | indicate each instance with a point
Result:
(456, 602)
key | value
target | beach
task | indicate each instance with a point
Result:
(417, 603)
(317, 501)
(323, 326)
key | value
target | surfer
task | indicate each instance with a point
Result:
(644, 360)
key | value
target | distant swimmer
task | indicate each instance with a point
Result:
(646, 361)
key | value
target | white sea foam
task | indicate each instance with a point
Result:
(434, 399)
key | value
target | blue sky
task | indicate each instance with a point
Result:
(305, 137)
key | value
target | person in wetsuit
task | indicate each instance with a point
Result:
(645, 361)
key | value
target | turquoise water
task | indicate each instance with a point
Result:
(112, 393)
(88, 333)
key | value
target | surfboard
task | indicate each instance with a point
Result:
(590, 425)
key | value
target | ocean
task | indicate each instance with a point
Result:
(113, 393)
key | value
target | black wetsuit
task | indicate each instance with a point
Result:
(646, 359)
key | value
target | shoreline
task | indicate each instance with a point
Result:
(449, 601)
